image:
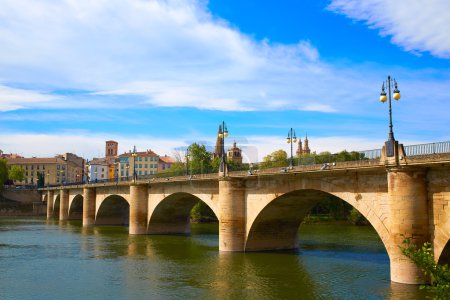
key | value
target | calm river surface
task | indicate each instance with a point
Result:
(40, 260)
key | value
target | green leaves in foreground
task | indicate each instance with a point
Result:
(440, 274)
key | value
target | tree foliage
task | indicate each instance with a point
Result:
(3, 172)
(16, 173)
(275, 159)
(440, 274)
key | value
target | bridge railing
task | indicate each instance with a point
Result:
(414, 150)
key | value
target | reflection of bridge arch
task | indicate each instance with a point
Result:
(76, 207)
(112, 210)
(276, 225)
(171, 214)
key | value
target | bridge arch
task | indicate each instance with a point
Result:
(76, 207)
(444, 257)
(112, 210)
(171, 214)
(56, 204)
(276, 225)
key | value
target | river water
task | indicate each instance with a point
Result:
(46, 260)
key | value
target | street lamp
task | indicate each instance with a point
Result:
(134, 154)
(291, 139)
(223, 133)
(390, 144)
(188, 154)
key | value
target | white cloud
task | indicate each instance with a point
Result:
(172, 53)
(13, 98)
(416, 26)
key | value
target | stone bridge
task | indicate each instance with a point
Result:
(263, 211)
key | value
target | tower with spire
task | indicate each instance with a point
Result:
(218, 148)
(303, 148)
(306, 149)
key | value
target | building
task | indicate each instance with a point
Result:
(144, 163)
(63, 168)
(165, 163)
(218, 148)
(111, 149)
(98, 169)
(305, 149)
(234, 154)
(5, 155)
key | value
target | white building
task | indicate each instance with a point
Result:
(97, 170)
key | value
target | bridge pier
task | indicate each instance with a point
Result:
(64, 205)
(231, 215)
(50, 195)
(138, 209)
(89, 195)
(407, 194)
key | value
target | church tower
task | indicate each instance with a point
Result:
(299, 151)
(218, 148)
(306, 149)
(235, 154)
(111, 149)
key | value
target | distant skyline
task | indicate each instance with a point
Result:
(164, 74)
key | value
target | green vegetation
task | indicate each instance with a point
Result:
(439, 274)
(16, 173)
(3, 172)
(275, 159)
(201, 213)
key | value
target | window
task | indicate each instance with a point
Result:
(32, 167)
(140, 158)
(145, 173)
(57, 167)
(26, 167)
(32, 173)
(146, 158)
(121, 173)
(103, 169)
(26, 173)
(168, 166)
(140, 172)
(103, 176)
(140, 165)
(163, 166)
(43, 167)
(151, 172)
(37, 167)
(63, 167)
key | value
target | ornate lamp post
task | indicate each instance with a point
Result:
(188, 154)
(390, 143)
(134, 154)
(223, 133)
(291, 139)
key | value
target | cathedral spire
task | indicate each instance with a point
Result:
(306, 149)
(299, 151)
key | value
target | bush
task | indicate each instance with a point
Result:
(440, 274)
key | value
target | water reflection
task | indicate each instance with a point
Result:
(107, 263)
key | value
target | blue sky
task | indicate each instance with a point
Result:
(163, 74)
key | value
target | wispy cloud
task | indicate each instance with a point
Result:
(13, 98)
(166, 53)
(416, 26)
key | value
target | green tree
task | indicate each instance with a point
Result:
(3, 172)
(200, 159)
(275, 159)
(440, 274)
(16, 173)
(40, 179)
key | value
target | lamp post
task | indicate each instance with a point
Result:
(223, 133)
(291, 139)
(390, 143)
(134, 154)
(188, 154)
